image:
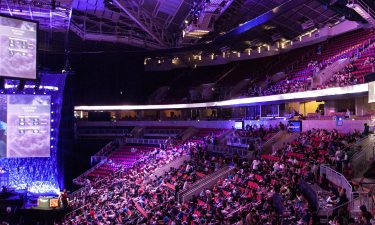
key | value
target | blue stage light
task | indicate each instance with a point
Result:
(46, 180)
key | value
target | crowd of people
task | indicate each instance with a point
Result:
(302, 80)
(265, 190)
(253, 137)
(322, 147)
(342, 78)
(111, 200)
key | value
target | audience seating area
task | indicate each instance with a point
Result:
(123, 157)
(264, 190)
(299, 66)
(207, 135)
(345, 46)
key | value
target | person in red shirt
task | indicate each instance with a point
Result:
(64, 198)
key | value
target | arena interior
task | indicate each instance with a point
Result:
(187, 112)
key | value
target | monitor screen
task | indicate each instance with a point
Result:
(25, 126)
(294, 126)
(18, 48)
(54, 203)
(238, 125)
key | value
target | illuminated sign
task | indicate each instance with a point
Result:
(354, 89)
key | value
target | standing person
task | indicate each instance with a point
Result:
(366, 130)
(366, 216)
(347, 114)
(64, 199)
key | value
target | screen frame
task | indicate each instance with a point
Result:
(50, 126)
(295, 121)
(36, 52)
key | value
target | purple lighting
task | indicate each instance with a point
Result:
(40, 174)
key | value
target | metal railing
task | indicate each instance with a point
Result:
(205, 183)
(277, 144)
(337, 179)
(70, 213)
(144, 141)
(361, 198)
(199, 182)
(105, 151)
(230, 151)
(82, 176)
(360, 159)
(163, 132)
(174, 164)
(100, 132)
(240, 141)
(364, 6)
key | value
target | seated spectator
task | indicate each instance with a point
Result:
(365, 216)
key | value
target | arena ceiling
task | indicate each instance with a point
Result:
(158, 24)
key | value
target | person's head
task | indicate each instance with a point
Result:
(363, 208)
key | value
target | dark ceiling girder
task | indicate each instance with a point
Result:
(237, 32)
(340, 8)
(261, 19)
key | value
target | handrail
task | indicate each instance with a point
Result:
(329, 211)
(229, 150)
(66, 215)
(145, 141)
(76, 180)
(106, 149)
(204, 184)
(357, 154)
(350, 204)
(77, 192)
(365, 6)
(199, 182)
(338, 179)
(359, 160)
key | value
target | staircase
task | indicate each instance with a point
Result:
(362, 160)
(277, 141)
(238, 88)
(158, 95)
(137, 132)
(363, 10)
(188, 133)
(223, 137)
(205, 183)
(325, 74)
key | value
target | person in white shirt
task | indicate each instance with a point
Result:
(187, 169)
(276, 167)
(185, 186)
(255, 164)
(347, 113)
(281, 166)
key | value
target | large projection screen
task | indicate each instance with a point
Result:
(18, 48)
(25, 126)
